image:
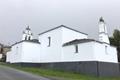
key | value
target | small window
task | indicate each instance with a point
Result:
(76, 48)
(29, 38)
(17, 50)
(49, 43)
(106, 49)
(25, 37)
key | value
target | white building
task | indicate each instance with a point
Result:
(63, 44)
(0, 56)
(27, 50)
(1, 51)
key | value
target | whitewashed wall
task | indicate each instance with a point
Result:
(58, 37)
(69, 35)
(8, 59)
(30, 52)
(14, 55)
(52, 53)
(85, 52)
(24, 52)
(91, 51)
(104, 38)
(0, 56)
(108, 54)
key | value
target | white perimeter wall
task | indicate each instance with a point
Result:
(14, 55)
(85, 52)
(91, 51)
(24, 52)
(31, 52)
(105, 54)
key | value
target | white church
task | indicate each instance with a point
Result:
(63, 44)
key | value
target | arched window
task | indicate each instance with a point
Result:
(29, 38)
(25, 37)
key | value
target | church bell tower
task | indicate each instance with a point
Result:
(103, 34)
(27, 34)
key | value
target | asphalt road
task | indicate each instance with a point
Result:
(7, 73)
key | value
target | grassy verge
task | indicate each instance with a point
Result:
(59, 75)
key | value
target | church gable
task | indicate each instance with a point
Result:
(60, 27)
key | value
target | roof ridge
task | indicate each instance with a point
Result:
(59, 27)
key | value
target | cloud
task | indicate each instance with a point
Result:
(41, 15)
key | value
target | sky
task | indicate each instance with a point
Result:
(41, 15)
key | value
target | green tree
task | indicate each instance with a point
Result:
(115, 41)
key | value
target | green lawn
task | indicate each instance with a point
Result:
(60, 75)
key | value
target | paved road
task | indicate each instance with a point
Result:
(7, 73)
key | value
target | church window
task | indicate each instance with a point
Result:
(17, 50)
(106, 49)
(76, 48)
(29, 38)
(25, 37)
(49, 43)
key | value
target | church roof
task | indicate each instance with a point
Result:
(77, 41)
(31, 41)
(60, 27)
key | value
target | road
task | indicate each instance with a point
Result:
(7, 73)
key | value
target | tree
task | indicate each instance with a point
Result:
(115, 41)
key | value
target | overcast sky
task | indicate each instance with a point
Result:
(42, 15)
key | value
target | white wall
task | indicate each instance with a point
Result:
(108, 54)
(14, 55)
(31, 52)
(104, 38)
(8, 59)
(0, 56)
(58, 36)
(52, 53)
(91, 51)
(69, 35)
(24, 52)
(85, 52)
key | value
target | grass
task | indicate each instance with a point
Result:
(59, 75)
